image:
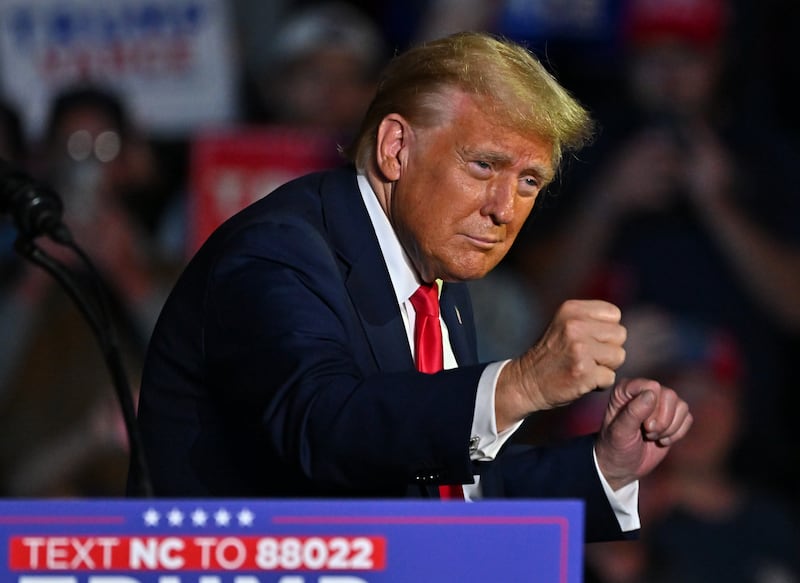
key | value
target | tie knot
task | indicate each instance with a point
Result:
(426, 300)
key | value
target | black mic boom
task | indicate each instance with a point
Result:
(35, 207)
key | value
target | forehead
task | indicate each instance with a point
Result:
(478, 127)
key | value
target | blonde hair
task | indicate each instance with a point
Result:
(513, 83)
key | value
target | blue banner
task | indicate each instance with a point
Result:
(248, 541)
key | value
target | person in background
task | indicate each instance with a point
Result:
(94, 155)
(687, 203)
(304, 92)
(61, 431)
(705, 521)
(320, 69)
(711, 523)
(303, 352)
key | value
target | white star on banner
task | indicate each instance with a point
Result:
(222, 517)
(151, 517)
(245, 517)
(175, 517)
(199, 517)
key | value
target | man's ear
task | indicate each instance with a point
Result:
(392, 142)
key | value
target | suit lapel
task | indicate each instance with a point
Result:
(456, 312)
(366, 277)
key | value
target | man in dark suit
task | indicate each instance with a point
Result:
(283, 361)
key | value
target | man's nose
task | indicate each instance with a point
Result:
(500, 202)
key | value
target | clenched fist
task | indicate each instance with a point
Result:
(642, 420)
(579, 352)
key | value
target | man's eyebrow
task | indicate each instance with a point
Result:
(487, 155)
(543, 172)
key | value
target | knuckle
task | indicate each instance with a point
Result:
(573, 329)
(578, 351)
(578, 369)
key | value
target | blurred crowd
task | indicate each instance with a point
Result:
(683, 212)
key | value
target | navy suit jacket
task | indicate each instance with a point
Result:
(280, 367)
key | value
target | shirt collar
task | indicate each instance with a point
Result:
(401, 272)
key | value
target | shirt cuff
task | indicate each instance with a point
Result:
(486, 441)
(624, 502)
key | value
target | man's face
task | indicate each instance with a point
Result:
(464, 191)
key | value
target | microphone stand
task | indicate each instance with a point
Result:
(98, 316)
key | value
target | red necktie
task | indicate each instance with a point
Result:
(429, 353)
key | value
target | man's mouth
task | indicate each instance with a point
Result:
(483, 242)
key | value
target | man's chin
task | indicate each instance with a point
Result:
(464, 273)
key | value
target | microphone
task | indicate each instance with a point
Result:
(35, 207)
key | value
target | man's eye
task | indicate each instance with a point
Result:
(482, 166)
(529, 185)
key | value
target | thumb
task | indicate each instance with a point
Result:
(632, 401)
(621, 450)
(633, 415)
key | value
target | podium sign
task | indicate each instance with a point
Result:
(253, 541)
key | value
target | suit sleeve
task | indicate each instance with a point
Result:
(564, 470)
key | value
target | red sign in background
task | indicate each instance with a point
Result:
(230, 169)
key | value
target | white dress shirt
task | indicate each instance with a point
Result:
(486, 440)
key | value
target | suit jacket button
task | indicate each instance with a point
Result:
(427, 477)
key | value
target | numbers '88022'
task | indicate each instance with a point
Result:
(320, 552)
